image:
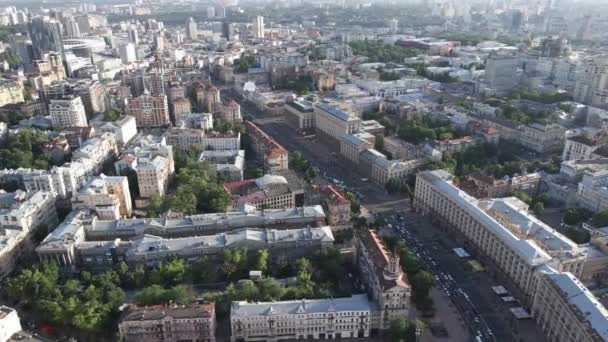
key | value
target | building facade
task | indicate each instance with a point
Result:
(274, 157)
(317, 319)
(384, 279)
(194, 323)
(68, 112)
(149, 111)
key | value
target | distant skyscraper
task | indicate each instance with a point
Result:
(22, 45)
(516, 20)
(127, 53)
(501, 72)
(159, 41)
(210, 12)
(592, 81)
(149, 111)
(228, 31)
(133, 35)
(258, 27)
(71, 27)
(46, 36)
(584, 32)
(393, 25)
(191, 29)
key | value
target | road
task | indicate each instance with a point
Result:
(487, 318)
(332, 169)
(484, 313)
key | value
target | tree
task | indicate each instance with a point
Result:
(156, 294)
(154, 208)
(257, 173)
(310, 173)
(600, 219)
(421, 285)
(270, 289)
(234, 261)
(203, 271)
(577, 235)
(261, 260)
(574, 216)
(393, 185)
(304, 277)
(402, 330)
(112, 115)
(539, 208)
(175, 272)
(355, 205)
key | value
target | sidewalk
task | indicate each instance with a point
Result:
(447, 315)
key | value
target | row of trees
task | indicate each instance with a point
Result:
(421, 280)
(199, 189)
(25, 149)
(318, 277)
(88, 303)
(417, 131)
(546, 97)
(242, 65)
(378, 51)
(301, 165)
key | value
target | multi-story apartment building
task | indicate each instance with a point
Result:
(124, 129)
(91, 92)
(449, 147)
(149, 110)
(153, 175)
(384, 279)
(501, 72)
(109, 197)
(202, 121)
(542, 138)
(207, 224)
(333, 123)
(67, 112)
(317, 319)
(228, 164)
(383, 169)
(351, 145)
(300, 115)
(502, 229)
(10, 92)
(70, 247)
(267, 192)
(48, 68)
(336, 206)
(182, 139)
(274, 157)
(152, 160)
(592, 193)
(180, 107)
(194, 322)
(566, 311)
(592, 81)
(9, 323)
(21, 214)
(96, 152)
(583, 146)
(207, 97)
(229, 111)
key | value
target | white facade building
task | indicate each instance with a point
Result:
(315, 319)
(127, 53)
(9, 323)
(67, 112)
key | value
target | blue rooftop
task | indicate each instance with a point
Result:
(338, 113)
